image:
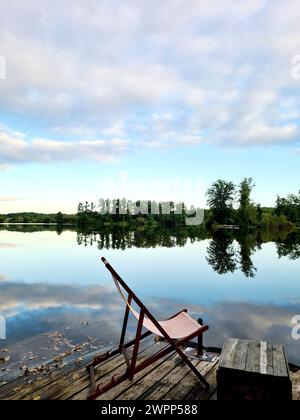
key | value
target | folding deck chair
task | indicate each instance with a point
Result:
(177, 331)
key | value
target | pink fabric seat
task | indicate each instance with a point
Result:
(181, 326)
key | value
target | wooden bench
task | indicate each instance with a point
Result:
(253, 370)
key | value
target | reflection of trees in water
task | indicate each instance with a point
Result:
(32, 228)
(227, 251)
(225, 257)
(146, 238)
(289, 247)
(248, 245)
(221, 255)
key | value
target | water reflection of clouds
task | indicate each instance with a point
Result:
(8, 245)
(15, 295)
(32, 309)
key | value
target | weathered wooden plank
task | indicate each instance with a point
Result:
(295, 376)
(253, 359)
(198, 393)
(26, 385)
(44, 349)
(240, 355)
(270, 370)
(51, 386)
(66, 385)
(81, 391)
(263, 357)
(228, 352)
(188, 383)
(158, 389)
(158, 371)
(279, 361)
(214, 396)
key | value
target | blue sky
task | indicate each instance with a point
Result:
(171, 93)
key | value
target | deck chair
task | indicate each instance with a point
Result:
(177, 331)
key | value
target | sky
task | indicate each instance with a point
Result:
(107, 98)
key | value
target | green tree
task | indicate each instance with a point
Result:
(245, 205)
(220, 200)
(289, 207)
(259, 213)
(59, 218)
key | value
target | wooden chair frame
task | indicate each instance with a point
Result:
(132, 366)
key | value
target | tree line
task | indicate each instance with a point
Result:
(229, 205)
(232, 204)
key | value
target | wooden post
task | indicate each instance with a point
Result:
(200, 340)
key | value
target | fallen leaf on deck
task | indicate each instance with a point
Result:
(4, 359)
(75, 376)
(78, 361)
(37, 398)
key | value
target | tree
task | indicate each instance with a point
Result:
(220, 200)
(259, 213)
(80, 208)
(289, 207)
(59, 218)
(245, 190)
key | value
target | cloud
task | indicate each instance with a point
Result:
(86, 76)
(4, 168)
(5, 199)
(14, 148)
(7, 245)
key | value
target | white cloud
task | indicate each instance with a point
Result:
(196, 71)
(4, 168)
(4, 199)
(16, 149)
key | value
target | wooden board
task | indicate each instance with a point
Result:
(253, 370)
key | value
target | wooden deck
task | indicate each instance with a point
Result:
(167, 379)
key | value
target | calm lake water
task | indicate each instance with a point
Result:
(49, 281)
